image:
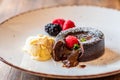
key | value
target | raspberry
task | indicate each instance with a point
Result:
(68, 24)
(71, 41)
(59, 21)
(53, 29)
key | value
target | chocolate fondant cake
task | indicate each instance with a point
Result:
(91, 42)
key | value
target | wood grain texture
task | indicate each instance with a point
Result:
(10, 8)
(102, 3)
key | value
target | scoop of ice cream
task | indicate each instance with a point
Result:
(39, 47)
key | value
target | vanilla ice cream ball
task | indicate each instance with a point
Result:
(39, 47)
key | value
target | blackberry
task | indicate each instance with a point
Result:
(53, 29)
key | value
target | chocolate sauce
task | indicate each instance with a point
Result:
(72, 59)
(69, 57)
(82, 66)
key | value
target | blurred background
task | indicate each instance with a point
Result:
(10, 8)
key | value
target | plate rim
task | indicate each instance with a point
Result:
(53, 75)
(61, 76)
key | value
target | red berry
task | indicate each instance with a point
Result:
(68, 24)
(70, 41)
(59, 21)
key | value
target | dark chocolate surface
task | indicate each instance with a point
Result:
(93, 46)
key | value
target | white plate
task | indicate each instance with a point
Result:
(15, 31)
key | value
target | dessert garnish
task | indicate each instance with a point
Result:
(83, 39)
(68, 24)
(76, 46)
(59, 21)
(39, 47)
(58, 25)
(53, 29)
(71, 41)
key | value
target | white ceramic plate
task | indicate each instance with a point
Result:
(14, 32)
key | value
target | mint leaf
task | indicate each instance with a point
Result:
(83, 39)
(76, 46)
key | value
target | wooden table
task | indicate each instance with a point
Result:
(10, 8)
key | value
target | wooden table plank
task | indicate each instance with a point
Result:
(14, 75)
(4, 71)
(9, 8)
(102, 3)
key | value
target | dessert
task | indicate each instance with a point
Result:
(89, 43)
(71, 46)
(39, 47)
